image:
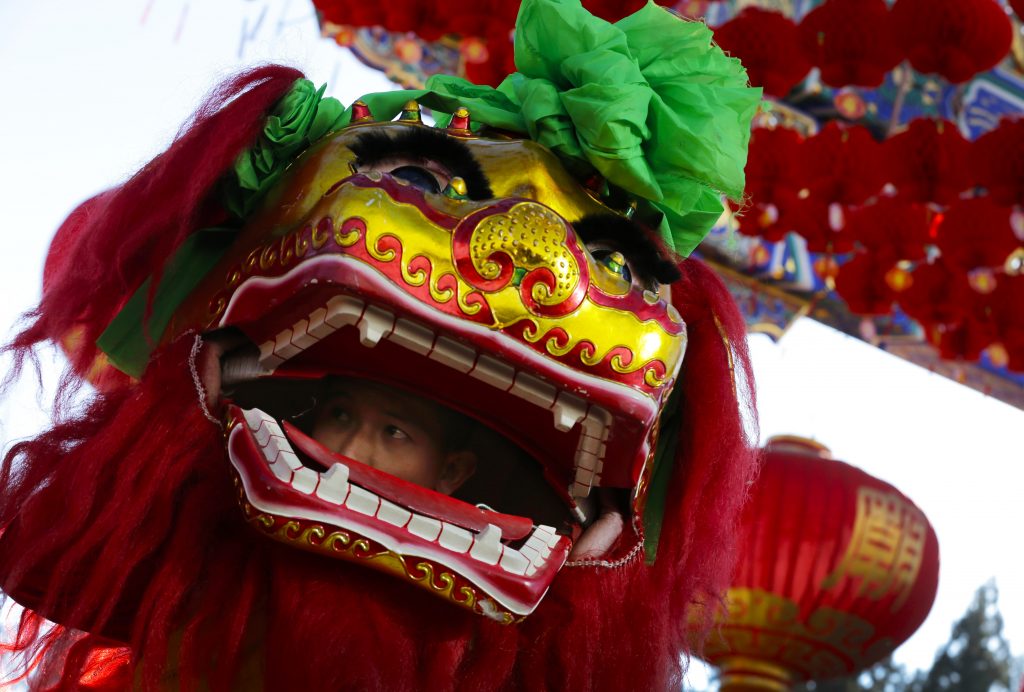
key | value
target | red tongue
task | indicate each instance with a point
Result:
(409, 495)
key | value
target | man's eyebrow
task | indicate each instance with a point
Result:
(425, 144)
(645, 250)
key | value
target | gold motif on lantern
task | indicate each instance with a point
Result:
(886, 549)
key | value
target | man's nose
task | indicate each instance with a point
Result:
(358, 445)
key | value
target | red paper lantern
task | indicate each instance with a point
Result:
(774, 174)
(957, 319)
(837, 568)
(866, 283)
(843, 165)
(851, 41)
(891, 228)
(954, 38)
(976, 233)
(997, 162)
(768, 44)
(928, 162)
(1008, 314)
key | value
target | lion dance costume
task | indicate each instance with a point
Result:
(521, 263)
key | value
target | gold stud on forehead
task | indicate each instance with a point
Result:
(459, 124)
(361, 112)
(410, 112)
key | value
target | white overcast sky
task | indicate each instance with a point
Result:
(93, 90)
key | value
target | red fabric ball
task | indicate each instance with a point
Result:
(976, 233)
(775, 167)
(937, 295)
(954, 38)
(891, 228)
(1008, 316)
(861, 283)
(928, 162)
(997, 162)
(844, 165)
(851, 41)
(768, 44)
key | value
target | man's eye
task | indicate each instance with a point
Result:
(341, 415)
(418, 177)
(396, 433)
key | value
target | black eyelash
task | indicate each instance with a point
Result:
(641, 247)
(425, 144)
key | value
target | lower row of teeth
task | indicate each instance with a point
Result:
(375, 323)
(333, 486)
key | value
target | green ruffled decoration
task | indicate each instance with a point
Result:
(649, 102)
(300, 118)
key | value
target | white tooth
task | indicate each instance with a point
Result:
(412, 336)
(586, 461)
(580, 490)
(276, 445)
(530, 553)
(533, 390)
(453, 354)
(267, 358)
(375, 325)
(424, 527)
(281, 470)
(304, 480)
(283, 346)
(673, 314)
(569, 410)
(253, 418)
(592, 445)
(362, 501)
(393, 514)
(455, 538)
(262, 435)
(487, 546)
(494, 372)
(531, 570)
(513, 561)
(301, 337)
(650, 297)
(318, 327)
(540, 545)
(333, 484)
(596, 423)
(548, 534)
(342, 311)
(289, 459)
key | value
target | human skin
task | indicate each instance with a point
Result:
(392, 431)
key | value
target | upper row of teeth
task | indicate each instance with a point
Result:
(375, 323)
(333, 486)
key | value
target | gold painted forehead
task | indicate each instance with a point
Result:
(514, 168)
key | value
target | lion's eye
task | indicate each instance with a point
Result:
(418, 177)
(613, 261)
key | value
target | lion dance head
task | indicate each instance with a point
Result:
(505, 288)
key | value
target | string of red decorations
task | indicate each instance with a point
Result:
(851, 42)
(925, 219)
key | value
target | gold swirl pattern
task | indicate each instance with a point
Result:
(533, 237)
(378, 251)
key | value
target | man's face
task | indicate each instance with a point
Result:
(392, 431)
